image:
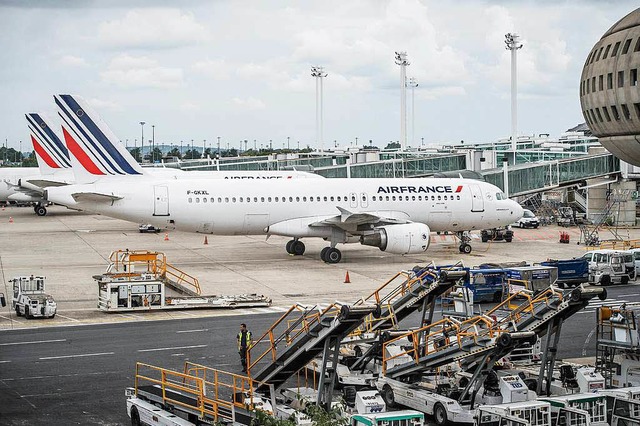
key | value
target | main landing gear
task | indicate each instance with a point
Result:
(331, 255)
(40, 210)
(464, 247)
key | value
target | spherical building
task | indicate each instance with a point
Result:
(609, 90)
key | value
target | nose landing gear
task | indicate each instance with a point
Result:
(465, 239)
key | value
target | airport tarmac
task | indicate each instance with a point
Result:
(70, 247)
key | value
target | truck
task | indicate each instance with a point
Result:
(610, 267)
(571, 272)
(30, 298)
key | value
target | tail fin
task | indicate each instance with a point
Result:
(51, 153)
(95, 149)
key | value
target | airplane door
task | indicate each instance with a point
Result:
(353, 200)
(477, 202)
(364, 200)
(160, 201)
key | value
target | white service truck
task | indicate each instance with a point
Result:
(30, 298)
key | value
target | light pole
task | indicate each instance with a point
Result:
(181, 148)
(21, 153)
(287, 142)
(401, 59)
(512, 42)
(413, 83)
(204, 147)
(318, 73)
(218, 145)
(153, 144)
(142, 141)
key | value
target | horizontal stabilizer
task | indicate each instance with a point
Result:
(94, 197)
(43, 183)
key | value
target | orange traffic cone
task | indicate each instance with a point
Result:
(10, 219)
(166, 237)
(205, 240)
(346, 278)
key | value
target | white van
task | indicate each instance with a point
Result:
(528, 220)
(636, 259)
(610, 266)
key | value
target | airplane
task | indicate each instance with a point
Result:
(395, 215)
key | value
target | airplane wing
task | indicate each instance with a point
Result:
(348, 220)
(94, 197)
(43, 183)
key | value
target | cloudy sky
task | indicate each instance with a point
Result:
(199, 69)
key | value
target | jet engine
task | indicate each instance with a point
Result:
(410, 238)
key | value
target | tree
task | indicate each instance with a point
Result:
(135, 153)
(175, 152)
(30, 161)
(157, 154)
(393, 145)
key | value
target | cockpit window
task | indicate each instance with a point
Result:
(500, 196)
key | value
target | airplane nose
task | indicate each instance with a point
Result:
(517, 210)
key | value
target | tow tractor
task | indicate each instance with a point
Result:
(497, 234)
(30, 299)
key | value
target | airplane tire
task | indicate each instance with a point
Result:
(439, 414)
(387, 395)
(289, 246)
(27, 314)
(465, 248)
(297, 248)
(323, 254)
(18, 311)
(333, 255)
(41, 210)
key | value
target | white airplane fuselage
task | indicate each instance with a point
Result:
(10, 177)
(290, 206)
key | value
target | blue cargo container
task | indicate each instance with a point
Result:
(571, 272)
(487, 285)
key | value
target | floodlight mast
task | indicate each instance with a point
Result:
(401, 59)
(319, 74)
(413, 83)
(512, 43)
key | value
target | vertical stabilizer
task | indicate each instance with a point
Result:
(95, 150)
(51, 153)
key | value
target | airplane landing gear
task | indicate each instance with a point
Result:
(464, 247)
(331, 255)
(40, 210)
(295, 247)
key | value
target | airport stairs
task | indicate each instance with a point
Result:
(136, 264)
(506, 327)
(419, 289)
(299, 336)
(589, 233)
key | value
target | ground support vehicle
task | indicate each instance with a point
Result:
(533, 278)
(390, 418)
(497, 234)
(610, 267)
(143, 281)
(618, 345)
(593, 403)
(30, 298)
(571, 272)
(528, 220)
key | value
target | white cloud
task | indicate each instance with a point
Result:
(102, 104)
(249, 103)
(189, 107)
(217, 70)
(72, 61)
(152, 28)
(130, 71)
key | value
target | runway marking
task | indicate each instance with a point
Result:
(3, 362)
(75, 356)
(264, 310)
(69, 318)
(33, 342)
(192, 331)
(170, 349)
(12, 320)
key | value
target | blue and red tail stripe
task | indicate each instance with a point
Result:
(46, 142)
(88, 133)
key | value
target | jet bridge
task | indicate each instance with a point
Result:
(299, 336)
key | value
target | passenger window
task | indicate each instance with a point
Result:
(353, 198)
(318, 199)
(213, 199)
(248, 199)
(325, 198)
(304, 199)
(332, 198)
(240, 199)
(433, 198)
(204, 200)
(197, 199)
(439, 198)
(191, 200)
(297, 199)
(219, 199)
(277, 199)
(387, 198)
(413, 198)
(262, 199)
(458, 197)
(226, 199)
(255, 199)
(339, 199)
(393, 198)
(269, 199)
(291, 199)
(233, 200)
(373, 198)
(419, 197)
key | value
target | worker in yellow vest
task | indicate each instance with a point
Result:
(244, 343)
